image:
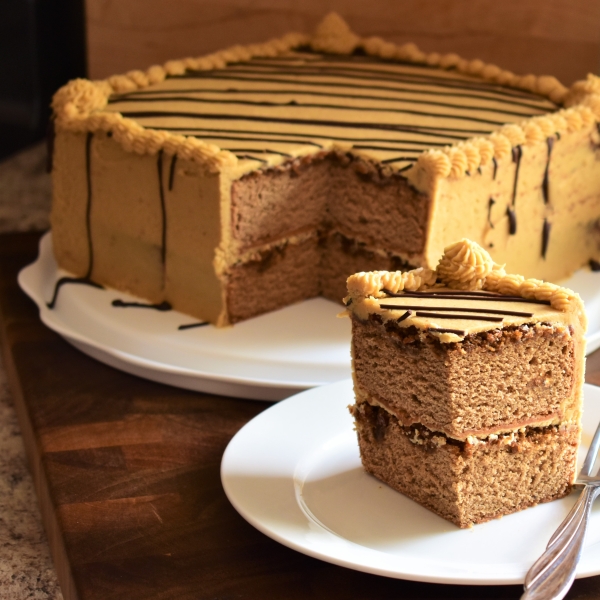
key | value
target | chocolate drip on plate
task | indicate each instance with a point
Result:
(162, 307)
(545, 237)
(193, 325)
(545, 182)
(64, 280)
(512, 220)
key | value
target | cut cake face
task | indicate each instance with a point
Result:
(240, 182)
(468, 384)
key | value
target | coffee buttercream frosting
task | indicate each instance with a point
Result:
(467, 293)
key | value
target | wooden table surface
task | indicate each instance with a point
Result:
(127, 475)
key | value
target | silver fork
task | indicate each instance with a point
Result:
(553, 573)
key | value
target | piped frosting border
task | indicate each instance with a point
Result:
(464, 266)
(79, 106)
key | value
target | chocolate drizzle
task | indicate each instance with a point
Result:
(172, 171)
(88, 226)
(545, 236)
(310, 96)
(466, 295)
(162, 306)
(432, 131)
(64, 280)
(491, 311)
(545, 182)
(491, 203)
(163, 210)
(408, 313)
(193, 325)
(495, 163)
(517, 154)
(461, 316)
(512, 220)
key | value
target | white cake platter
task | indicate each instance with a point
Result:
(266, 358)
(294, 473)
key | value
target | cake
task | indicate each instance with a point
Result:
(240, 182)
(468, 384)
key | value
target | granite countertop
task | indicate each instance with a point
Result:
(26, 569)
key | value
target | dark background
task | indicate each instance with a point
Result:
(42, 46)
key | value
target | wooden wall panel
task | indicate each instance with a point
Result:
(559, 37)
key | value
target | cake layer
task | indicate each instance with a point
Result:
(491, 382)
(468, 483)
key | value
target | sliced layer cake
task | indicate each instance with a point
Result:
(468, 384)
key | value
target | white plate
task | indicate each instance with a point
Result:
(266, 358)
(294, 473)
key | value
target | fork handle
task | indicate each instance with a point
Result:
(553, 573)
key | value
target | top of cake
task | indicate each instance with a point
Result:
(245, 108)
(467, 293)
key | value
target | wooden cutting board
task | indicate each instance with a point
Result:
(127, 476)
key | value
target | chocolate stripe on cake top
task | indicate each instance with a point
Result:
(460, 317)
(312, 92)
(492, 311)
(336, 107)
(415, 105)
(172, 171)
(265, 150)
(237, 138)
(250, 157)
(397, 100)
(433, 131)
(247, 135)
(491, 297)
(312, 58)
(401, 73)
(477, 293)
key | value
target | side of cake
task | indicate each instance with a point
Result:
(236, 183)
(468, 384)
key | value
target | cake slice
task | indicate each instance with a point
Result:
(468, 384)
